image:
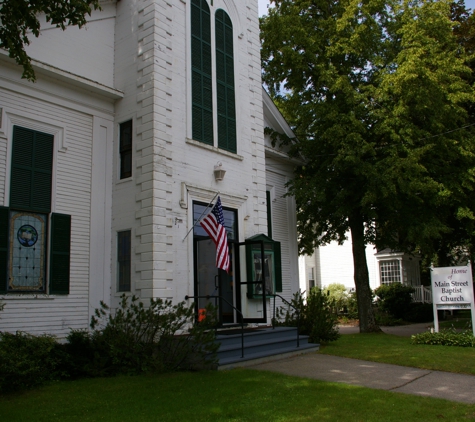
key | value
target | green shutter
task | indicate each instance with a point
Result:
(31, 175)
(201, 82)
(60, 253)
(225, 82)
(278, 267)
(4, 218)
(269, 214)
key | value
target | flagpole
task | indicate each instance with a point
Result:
(199, 218)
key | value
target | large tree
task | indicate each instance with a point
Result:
(19, 20)
(376, 92)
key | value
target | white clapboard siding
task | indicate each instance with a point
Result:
(71, 195)
(283, 229)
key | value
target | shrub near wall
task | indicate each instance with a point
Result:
(130, 340)
(28, 361)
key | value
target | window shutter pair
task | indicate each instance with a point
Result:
(202, 96)
(30, 190)
(32, 167)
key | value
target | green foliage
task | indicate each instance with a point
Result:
(449, 337)
(132, 340)
(352, 306)
(27, 361)
(394, 299)
(337, 294)
(19, 19)
(317, 318)
(135, 338)
(377, 95)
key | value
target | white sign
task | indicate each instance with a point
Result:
(452, 288)
(452, 285)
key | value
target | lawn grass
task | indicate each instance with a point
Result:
(236, 395)
(396, 350)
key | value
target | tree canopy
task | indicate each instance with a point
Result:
(377, 93)
(19, 20)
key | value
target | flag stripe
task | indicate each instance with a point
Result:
(213, 224)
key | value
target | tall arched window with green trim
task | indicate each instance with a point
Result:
(225, 82)
(201, 83)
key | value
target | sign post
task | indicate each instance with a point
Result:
(452, 288)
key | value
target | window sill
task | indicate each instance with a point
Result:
(26, 296)
(214, 149)
(125, 180)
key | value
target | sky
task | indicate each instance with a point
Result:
(470, 4)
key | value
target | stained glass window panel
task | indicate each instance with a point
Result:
(27, 251)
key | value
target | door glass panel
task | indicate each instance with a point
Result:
(207, 272)
(252, 306)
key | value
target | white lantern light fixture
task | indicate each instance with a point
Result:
(219, 172)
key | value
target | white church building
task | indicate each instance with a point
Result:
(111, 156)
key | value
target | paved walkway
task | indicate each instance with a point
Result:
(421, 382)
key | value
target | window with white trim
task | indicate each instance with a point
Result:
(390, 271)
(27, 244)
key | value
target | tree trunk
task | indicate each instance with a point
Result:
(363, 290)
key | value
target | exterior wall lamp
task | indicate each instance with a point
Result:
(219, 172)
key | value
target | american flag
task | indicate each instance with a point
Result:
(213, 224)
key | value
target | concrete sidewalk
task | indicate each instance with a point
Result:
(421, 382)
(398, 330)
(443, 385)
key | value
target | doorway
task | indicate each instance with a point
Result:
(209, 280)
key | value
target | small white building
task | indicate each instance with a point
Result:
(333, 263)
(109, 158)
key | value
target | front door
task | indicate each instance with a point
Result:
(209, 280)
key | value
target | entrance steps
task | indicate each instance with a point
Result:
(260, 344)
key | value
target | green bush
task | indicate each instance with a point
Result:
(136, 339)
(317, 318)
(28, 361)
(447, 337)
(133, 339)
(395, 299)
(338, 295)
(352, 306)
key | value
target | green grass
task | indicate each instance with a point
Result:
(236, 395)
(388, 348)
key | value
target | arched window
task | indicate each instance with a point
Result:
(205, 115)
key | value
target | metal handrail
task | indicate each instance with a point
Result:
(230, 304)
(296, 310)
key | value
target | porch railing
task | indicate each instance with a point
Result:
(422, 294)
(296, 311)
(230, 304)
